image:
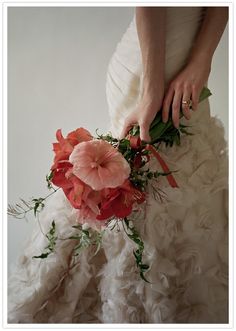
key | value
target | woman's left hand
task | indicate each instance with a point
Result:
(187, 85)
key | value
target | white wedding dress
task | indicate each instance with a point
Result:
(185, 236)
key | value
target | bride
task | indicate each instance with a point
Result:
(162, 62)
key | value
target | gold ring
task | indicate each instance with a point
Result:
(187, 103)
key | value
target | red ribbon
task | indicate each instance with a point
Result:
(135, 142)
(164, 166)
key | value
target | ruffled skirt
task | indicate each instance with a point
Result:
(185, 230)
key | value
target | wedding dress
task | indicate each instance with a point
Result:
(185, 236)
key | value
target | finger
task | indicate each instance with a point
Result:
(127, 126)
(195, 97)
(185, 107)
(167, 104)
(176, 107)
(144, 132)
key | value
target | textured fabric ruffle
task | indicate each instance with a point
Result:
(185, 238)
(185, 234)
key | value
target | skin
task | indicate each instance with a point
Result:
(151, 22)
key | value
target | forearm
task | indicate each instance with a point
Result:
(209, 35)
(151, 23)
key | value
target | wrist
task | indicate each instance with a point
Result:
(201, 58)
(153, 83)
(153, 95)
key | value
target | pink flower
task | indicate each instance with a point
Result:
(99, 165)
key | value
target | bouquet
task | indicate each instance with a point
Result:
(105, 180)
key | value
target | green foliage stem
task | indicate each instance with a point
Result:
(133, 234)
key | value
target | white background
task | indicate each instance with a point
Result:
(57, 63)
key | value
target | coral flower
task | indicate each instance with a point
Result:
(80, 195)
(72, 186)
(99, 165)
(59, 175)
(65, 146)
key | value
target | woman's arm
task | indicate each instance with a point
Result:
(190, 81)
(210, 33)
(151, 22)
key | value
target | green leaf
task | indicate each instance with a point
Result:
(145, 266)
(86, 232)
(204, 94)
(42, 256)
(51, 237)
(156, 120)
(133, 234)
(79, 226)
(49, 179)
(38, 203)
(134, 130)
(74, 237)
(144, 278)
(86, 238)
(158, 129)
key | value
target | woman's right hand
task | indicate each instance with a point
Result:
(144, 114)
(150, 23)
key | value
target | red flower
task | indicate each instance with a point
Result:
(119, 201)
(138, 161)
(92, 204)
(61, 178)
(76, 191)
(135, 142)
(59, 175)
(64, 147)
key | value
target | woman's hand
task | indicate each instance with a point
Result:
(145, 113)
(151, 23)
(187, 85)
